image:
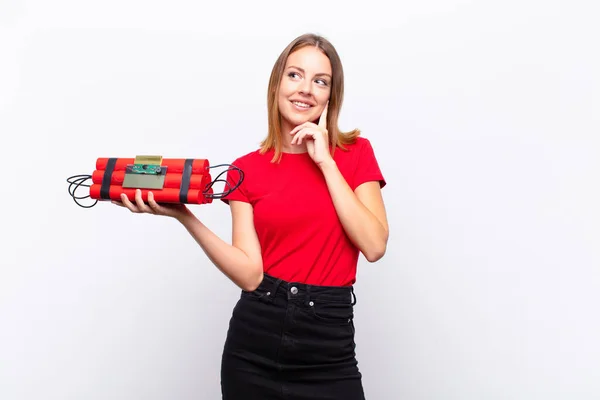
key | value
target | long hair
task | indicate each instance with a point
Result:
(336, 137)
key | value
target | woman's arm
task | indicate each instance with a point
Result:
(362, 212)
(240, 261)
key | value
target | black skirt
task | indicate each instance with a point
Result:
(291, 341)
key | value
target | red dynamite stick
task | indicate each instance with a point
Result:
(172, 180)
(168, 195)
(199, 166)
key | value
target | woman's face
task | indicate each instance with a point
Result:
(305, 87)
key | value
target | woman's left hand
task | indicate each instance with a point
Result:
(316, 136)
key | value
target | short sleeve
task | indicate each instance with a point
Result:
(233, 178)
(367, 168)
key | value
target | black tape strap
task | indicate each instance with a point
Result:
(106, 179)
(185, 180)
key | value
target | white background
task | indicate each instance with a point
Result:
(484, 117)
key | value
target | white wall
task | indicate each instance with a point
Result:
(484, 116)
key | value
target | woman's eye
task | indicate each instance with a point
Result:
(322, 82)
(293, 74)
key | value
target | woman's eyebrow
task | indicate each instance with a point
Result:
(301, 70)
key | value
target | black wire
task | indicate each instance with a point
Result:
(231, 189)
(76, 181)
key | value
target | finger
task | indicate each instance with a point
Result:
(128, 203)
(295, 139)
(323, 118)
(140, 203)
(153, 204)
(117, 203)
(298, 137)
(296, 129)
(304, 133)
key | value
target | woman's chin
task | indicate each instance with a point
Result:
(295, 120)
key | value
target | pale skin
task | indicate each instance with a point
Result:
(361, 212)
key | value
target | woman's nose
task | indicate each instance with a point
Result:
(305, 87)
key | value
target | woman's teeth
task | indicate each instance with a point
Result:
(299, 104)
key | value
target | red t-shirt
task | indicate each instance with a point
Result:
(301, 237)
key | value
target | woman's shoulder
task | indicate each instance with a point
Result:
(358, 144)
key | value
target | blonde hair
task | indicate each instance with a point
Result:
(336, 137)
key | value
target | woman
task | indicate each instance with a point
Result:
(310, 202)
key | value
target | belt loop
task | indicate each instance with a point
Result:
(307, 300)
(353, 295)
(274, 289)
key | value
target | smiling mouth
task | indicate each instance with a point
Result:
(300, 105)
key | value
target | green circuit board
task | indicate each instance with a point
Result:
(146, 169)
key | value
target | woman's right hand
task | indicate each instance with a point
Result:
(173, 210)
